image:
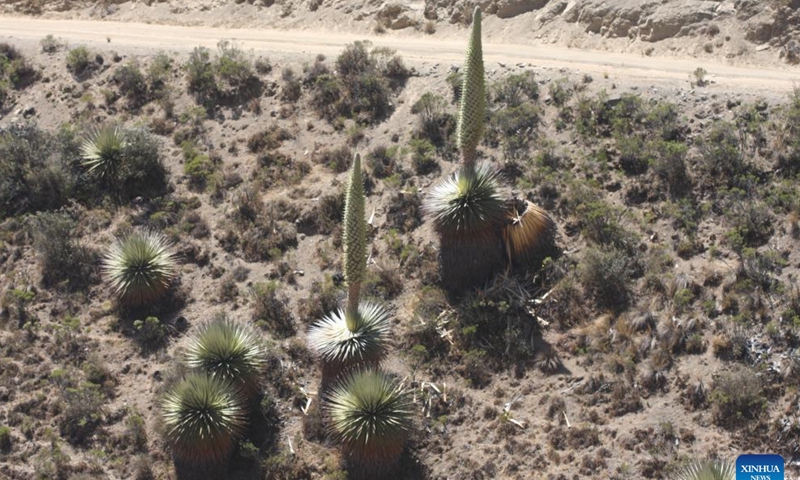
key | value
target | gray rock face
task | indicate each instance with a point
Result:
(649, 20)
(512, 8)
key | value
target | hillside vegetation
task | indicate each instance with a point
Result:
(172, 227)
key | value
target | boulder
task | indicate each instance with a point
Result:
(512, 8)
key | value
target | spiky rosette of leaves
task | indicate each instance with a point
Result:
(340, 348)
(707, 470)
(102, 151)
(354, 240)
(369, 413)
(529, 232)
(472, 111)
(466, 202)
(140, 267)
(203, 417)
(229, 351)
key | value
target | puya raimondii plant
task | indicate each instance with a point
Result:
(356, 335)
(230, 351)
(369, 413)
(140, 267)
(480, 233)
(203, 416)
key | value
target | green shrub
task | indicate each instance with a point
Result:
(607, 275)
(560, 91)
(14, 68)
(35, 174)
(5, 439)
(431, 110)
(132, 84)
(233, 69)
(49, 44)
(383, 161)
(737, 395)
(423, 156)
(722, 160)
(200, 76)
(198, 171)
(270, 311)
(360, 88)
(150, 333)
(143, 173)
(517, 88)
(62, 258)
(83, 411)
(514, 128)
(78, 61)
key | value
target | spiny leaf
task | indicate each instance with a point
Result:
(203, 417)
(140, 267)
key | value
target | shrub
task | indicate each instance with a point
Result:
(15, 68)
(431, 109)
(34, 173)
(337, 159)
(143, 173)
(151, 334)
(423, 156)
(131, 84)
(203, 418)
(83, 411)
(236, 76)
(270, 311)
(200, 76)
(229, 351)
(383, 161)
(359, 88)
(5, 439)
(514, 128)
(78, 61)
(516, 88)
(49, 44)
(370, 415)
(737, 395)
(63, 259)
(140, 267)
(560, 91)
(721, 157)
(607, 275)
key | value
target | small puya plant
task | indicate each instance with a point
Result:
(369, 413)
(203, 417)
(140, 267)
(357, 335)
(480, 233)
(230, 351)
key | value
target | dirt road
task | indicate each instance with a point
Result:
(415, 50)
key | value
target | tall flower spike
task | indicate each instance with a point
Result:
(355, 242)
(473, 96)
